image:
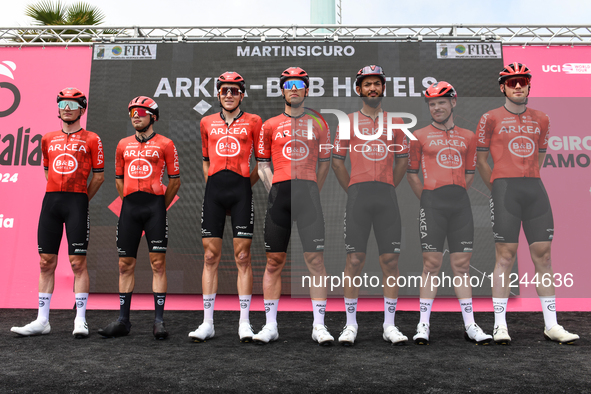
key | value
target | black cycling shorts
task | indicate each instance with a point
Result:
(289, 201)
(521, 200)
(59, 208)
(446, 212)
(141, 212)
(372, 203)
(227, 191)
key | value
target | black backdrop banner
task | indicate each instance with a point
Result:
(181, 78)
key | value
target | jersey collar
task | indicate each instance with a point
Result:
(73, 132)
(295, 117)
(237, 116)
(147, 139)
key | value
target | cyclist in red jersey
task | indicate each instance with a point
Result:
(227, 140)
(140, 161)
(69, 156)
(517, 137)
(292, 142)
(377, 165)
(447, 155)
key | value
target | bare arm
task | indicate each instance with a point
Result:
(97, 180)
(254, 175)
(400, 169)
(205, 169)
(46, 175)
(119, 186)
(541, 158)
(483, 168)
(415, 184)
(322, 173)
(173, 187)
(266, 174)
(338, 166)
(469, 180)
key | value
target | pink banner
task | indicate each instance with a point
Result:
(561, 77)
(556, 71)
(30, 79)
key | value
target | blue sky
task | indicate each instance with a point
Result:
(355, 12)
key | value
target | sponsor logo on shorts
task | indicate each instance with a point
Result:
(467, 250)
(428, 247)
(159, 241)
(319, 247)
(244, 234)
(79, 250)
(466, 242)
(77, 244)
(241, 227)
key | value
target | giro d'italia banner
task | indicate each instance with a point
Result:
(30, 79)
(181, 78)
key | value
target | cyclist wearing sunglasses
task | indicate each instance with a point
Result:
(140, 161)
(227, 140)
(292, 142)
(447, 156)
(517, 137)
(371, 198)
(69, 156)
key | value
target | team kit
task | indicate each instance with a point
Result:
(294, 156)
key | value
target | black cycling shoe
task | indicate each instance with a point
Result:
(115, 329)
(160, 330)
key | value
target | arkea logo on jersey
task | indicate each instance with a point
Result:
(449, 158)
(520, 129)
(522, 146)
(295, 150)
(139, 169)
(65, 164)
(73, 147)
(227, 147)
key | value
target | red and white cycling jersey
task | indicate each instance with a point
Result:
(69, 158)
(141, 165)
(293, 150)
(229, 147)
(371, 160)
(445, 157)
(514, 140)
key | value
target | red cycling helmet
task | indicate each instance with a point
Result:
(231, 77)
(440, 89)
(513, 70)
(372, 70)
(294, 72)
(74, 95)
(146, 103)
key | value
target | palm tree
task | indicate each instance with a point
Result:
(47, 12)
(50, 13)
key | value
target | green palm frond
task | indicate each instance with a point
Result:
(47, 12)
(84, 14)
